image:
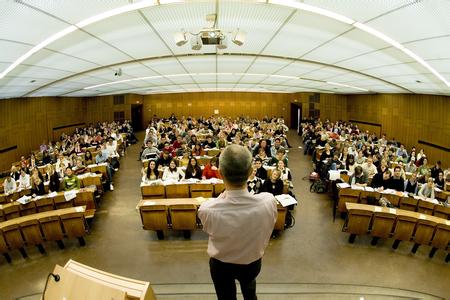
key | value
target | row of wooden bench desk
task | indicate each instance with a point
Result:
(181, 214)
(33, 230)
(399, 224)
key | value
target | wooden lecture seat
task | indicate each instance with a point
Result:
(382, 225)
(177, 191)
(61, 202)
(44, 204)
(358, 221)
(425, 207)
(201, 190)
(52, 229)
(347, 195)
(11, 211)
(28, 208)
(74, 225)
(404, 228)
(183, 217)
(154, 217)
(153, 191)
(441, 240)
(408, 203)
(32, 234)
(13, 238)
(442, 212)
(424, 232)
(281, 218)
(218, 189)
(4, 247)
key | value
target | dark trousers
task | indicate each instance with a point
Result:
(224, 275)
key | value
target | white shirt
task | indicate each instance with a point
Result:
(370, 170)
(239, 225)
(24, 181)
(173, 176)
(9, 186)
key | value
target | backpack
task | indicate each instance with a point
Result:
(319, 186)
(313, 176)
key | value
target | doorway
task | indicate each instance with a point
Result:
(136, 117)
(296, 116)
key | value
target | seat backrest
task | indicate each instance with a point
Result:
(183, 216)
(442, 212)
(441, 237)
(177, 191)
(13, 236)
(425, 207)
(424, 231)
(52, 228)
(201, 190)
(218, 189)
(3, 245)
(31, 232)
(382, 224)
(28, 209)
(154, 217)
(74, 224)
(358, 221)
(60, 202)
(153, 191)
(11, 211)
(404, 227)
(281, 217)
(408, 203)
(45, 204)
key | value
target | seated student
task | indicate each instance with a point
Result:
(209, 143)
(350, 163)
(37, 187)
(423, 171)
(411, 184)
(164, 159)
(46, 159)
(15, 172)
(382, 180)
(439, 181)
(274, 184)
(193, 170)
(88, 159)
(359, 177)
(261, 172)
(369, 167)
(276, 147)
(335, 163)
(9, 185)
(326, 154)
(173, 173)
(434, 172)
(177, 143)
(285, 173)
(183, 149)
(102, 157)
(221, 142)
(211, 169)
(79, 167)
(151, 172)
(427, 189)
(53, 178)
(71, 181)
(198, 150)
(397, 182)
(24, 180)
(279, 155)
(411, 167)
(360, 159)
(185, 159)
(254, 184)
(263, 156)
(150, 151)
(262, 145)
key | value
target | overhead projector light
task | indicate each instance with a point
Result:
(180, 38)
(196, 42)
(238, 37)
(223, 44)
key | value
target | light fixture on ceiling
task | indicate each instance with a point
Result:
(210, 35)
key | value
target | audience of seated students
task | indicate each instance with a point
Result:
(261, 172)
(439, 181)
(359, 177)
(71, 181)
(151, 173)
(279, 155)
(254, 184)
(211, 169)
(198, 150)
(9, 185)
(411, 184)
(274, 184)
(193, 170)
(173, 172)
(369, 167)
(209, 143)
(427, 189)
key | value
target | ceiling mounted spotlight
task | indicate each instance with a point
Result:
(210, 35)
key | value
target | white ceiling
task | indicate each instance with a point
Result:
(286, 49)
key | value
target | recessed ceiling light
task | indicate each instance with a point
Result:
(418, 81)
(31, 81)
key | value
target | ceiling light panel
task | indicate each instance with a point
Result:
(304, 32)
(233, 64)
(129, 33)
(260, 21)
(84, 46)
(267, 65)
(171, 18)
(421, 19)
(365, 10)
(23, 24)
(199, 64)
(75, 11)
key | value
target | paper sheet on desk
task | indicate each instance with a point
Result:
(286, 200)
(343, 185)
(334, 175)
(69, 195)
(24, 199)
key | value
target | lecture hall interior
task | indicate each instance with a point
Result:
(345, 103)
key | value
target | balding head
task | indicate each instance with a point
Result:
(235, 164)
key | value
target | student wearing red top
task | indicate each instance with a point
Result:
(211, 169)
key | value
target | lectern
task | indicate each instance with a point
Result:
(78, 281)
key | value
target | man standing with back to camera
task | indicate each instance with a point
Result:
(239, 225)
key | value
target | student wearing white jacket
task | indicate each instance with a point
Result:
(24, 180)
(173, 173)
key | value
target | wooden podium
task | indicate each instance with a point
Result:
(78, 281)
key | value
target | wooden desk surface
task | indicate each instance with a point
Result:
(396, 211)
(172, 201)
(45, 214)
